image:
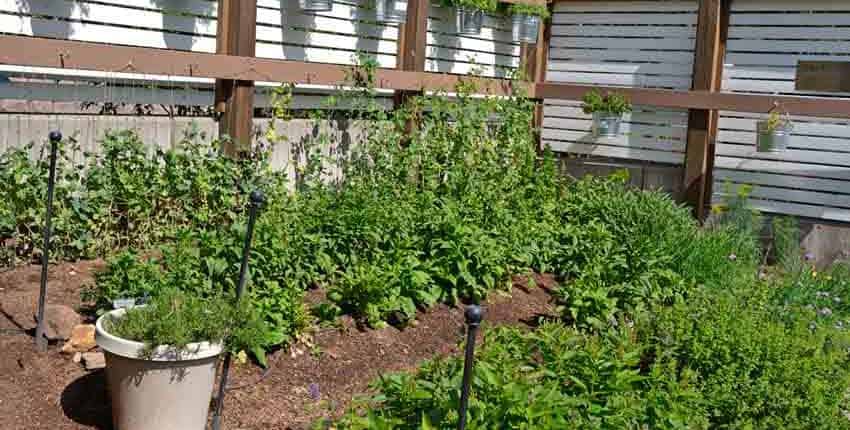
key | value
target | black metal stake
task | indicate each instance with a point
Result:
(257, 201)
(40, 340)
(474, 315)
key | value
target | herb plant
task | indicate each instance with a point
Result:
(487, 6)
(613, 103)
(175, 319)
(528, 9)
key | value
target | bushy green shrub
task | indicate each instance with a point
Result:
(757, 368)
(552, 378)
(129, 195)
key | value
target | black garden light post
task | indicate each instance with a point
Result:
(40, 340)
(257, 201)
(474, 315)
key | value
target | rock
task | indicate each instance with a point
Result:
(60, 321)
(82, 339)
(94, 360)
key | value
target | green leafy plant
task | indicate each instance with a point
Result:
(175, 319)
(528, 9)
(613, 103)
(488, 6)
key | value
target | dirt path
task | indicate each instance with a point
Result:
(49, 391)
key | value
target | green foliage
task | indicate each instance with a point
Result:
(552, 378)
(528, 9)
(175, 319)
(130, 195)
(487, 6)
(613, 103)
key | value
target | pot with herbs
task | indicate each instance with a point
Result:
(161, 358)
(607, 110)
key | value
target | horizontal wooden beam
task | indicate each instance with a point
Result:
(65, 54)
(807, 106)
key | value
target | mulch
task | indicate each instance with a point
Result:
(316, 378)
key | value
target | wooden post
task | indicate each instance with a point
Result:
(536, 58)
(412, 44)
(234, 99)
(712, 27)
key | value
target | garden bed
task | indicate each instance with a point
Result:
(50, 391)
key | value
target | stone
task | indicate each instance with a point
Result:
(60, 321)
(82, 339)
(94, 360)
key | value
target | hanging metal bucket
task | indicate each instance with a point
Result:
(316, 5)
(606, 124)
(394, 11)
(776, 140)
(525, 28)
(469, 21)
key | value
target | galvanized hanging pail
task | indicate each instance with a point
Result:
(606, 124)
(525, 28)
(394, 11)
(469, 21)
(775, 140)
(316, 5)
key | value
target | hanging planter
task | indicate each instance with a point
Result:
(526, 21)
(774, 134)
(393, 11)
(607, 111)
(469, 14)
(316, 5)
(155, 384)
(469, 21)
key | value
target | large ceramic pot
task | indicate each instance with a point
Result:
(469, 21)
(316, 5)
(525, 28)
(394, 11)
(163, 390)
(606, 124)
(777, 139)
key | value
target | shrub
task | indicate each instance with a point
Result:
(552, 378)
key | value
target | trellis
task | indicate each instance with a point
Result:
(699, 108)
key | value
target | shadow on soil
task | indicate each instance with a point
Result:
(86, 402)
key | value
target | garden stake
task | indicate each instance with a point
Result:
(257, 200)
(40, 340)
(473, 320)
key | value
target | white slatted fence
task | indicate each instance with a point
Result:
(766, 40)
(648, 44)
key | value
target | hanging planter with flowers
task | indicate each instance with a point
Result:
(469, 14)
(607, 111)
(392, 11)
(526, 19)
(774, 134)
(316, 5)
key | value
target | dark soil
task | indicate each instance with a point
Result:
(49, 391)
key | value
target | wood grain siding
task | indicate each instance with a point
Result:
(643, 44)
(766, 40)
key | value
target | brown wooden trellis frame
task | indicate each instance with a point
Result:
(235, 69)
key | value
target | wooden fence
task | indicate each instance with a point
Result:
(700, 73)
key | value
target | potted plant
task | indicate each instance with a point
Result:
(607, 111)
(774, 133)
(526, 20)
(316, 5)
(394, 11)
(469, 14)
(161, 358)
